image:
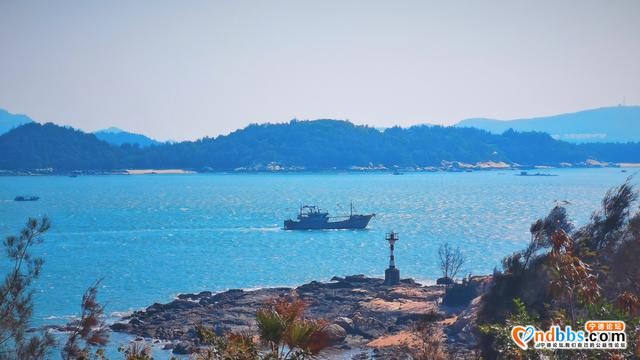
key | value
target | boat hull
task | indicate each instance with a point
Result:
(352, 222)
(26, 198)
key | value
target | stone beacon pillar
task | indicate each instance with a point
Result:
(392, 275)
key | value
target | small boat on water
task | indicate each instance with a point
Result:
(310, 217)
(26, 198)
(524, 173)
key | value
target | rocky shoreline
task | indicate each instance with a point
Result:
(368, 318)
(445, 166)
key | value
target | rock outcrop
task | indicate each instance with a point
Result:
(359, 310)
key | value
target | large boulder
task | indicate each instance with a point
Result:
(334, 333)
(345, 323)
(368, 326)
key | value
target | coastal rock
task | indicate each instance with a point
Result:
(356, 278)
(340, 285)
(360, 310)
(369, 327)
(462, 294)
(408, 281)
(181, 304)
(120, 327)
(360, 356)
(459, 295)
(195, 297)
(334, 333)
(184, 348)
(344, 322)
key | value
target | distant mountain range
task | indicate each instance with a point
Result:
(298, 145)
(328, 144)
(117, 136)
(603, 125)
(608, 124)
(112, 135)
(9, 121)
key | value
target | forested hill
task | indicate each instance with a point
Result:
(36, 146)
(312, 145)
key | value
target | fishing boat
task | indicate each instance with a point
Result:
(26, 198)
(311, 217)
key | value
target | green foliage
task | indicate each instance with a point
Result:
(137, 351)
(283, 328)
(227, 347)
(271, 326)
(300, 334)
(502, 345)
(568, 276)
(16, 295)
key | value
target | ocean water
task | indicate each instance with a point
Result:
(151, 237)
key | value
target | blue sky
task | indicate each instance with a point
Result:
(182, 70)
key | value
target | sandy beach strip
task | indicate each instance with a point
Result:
(157, 171)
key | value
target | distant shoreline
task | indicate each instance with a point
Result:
(399, 171)
(460, 167)
(157, 171)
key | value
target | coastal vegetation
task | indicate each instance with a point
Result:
(451, 259)
(567, 276)
(283, 330)
(301, 145)
(89, 332)
(17, 340)
(16, 295)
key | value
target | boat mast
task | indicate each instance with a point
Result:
(351, 213)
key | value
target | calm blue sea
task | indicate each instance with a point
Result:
(150, 237)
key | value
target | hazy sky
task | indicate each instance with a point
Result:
(185, 69)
